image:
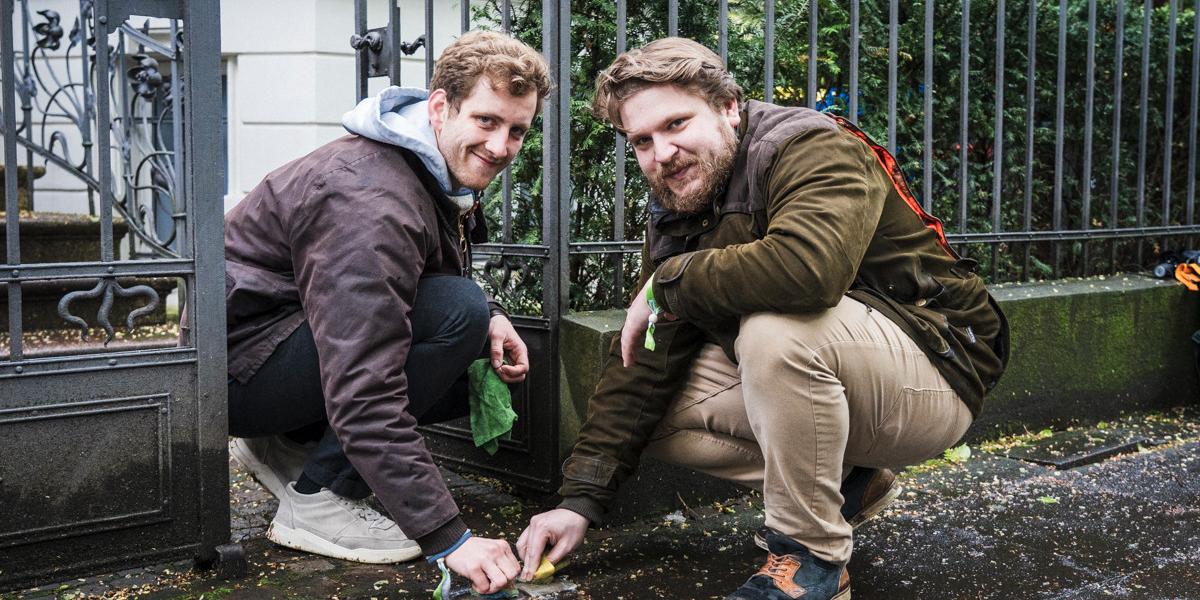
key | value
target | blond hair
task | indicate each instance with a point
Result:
(508, 63)
(667, 61)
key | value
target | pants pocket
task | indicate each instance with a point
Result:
(920, 424)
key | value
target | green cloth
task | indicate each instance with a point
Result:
(492, 415)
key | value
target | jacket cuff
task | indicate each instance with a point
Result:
(443, 537)
(495, 309)
(590, 509)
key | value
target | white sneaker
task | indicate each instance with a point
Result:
(274, 461)
(330, 525)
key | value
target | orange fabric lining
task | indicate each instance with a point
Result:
(893, 170)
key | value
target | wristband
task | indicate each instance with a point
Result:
(653, 318)
(448, 551)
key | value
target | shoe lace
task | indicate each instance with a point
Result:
(779, 566)
(362, 509)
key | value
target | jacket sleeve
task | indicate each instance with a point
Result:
(623, 413)
(825, 194)
(359, 244)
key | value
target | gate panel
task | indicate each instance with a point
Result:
(112, 432)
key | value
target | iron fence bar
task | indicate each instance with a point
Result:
(1072, 234)
(618, 262)
(11, 205)
(85, 25)
(201, 97)
(893, 25)
(769, 55)
(396, 41)
(927, 128)
(1030, 99)
(103, 134)
(180, 200)
(506, 232)
(1169, 114)
(27, 107)
(963, 93)
(998, 138)
(1088, 112)
(135, 216)
(1059, 117)
(555, 270)
(605, 247)
(108, 361)
(854, 35)
(464, 16)
(360, 57)
(812, 51)
(126, 268)
(1118, 77)
(429, 56)
(1142, 123)
(506, 184)
(1191, 169)
(634, 246)
(723, 30)
(532, 251)
(673, 18)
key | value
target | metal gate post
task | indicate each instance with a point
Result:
(202, 99)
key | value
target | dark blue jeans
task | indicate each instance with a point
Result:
(450, 323)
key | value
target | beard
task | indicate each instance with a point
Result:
(712, 170)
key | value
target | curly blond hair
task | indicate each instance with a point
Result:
(508, 64)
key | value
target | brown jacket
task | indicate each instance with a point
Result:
(340, 237)
(813, 211)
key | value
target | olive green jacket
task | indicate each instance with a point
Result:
(813, 211)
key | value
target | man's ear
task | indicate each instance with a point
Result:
(731, 112)
(439, 109)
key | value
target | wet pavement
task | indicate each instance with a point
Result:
(1003, 522)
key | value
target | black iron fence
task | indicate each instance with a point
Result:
(1052, 138)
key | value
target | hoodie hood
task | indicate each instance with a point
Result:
(400, 116)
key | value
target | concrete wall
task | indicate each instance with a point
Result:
(1082, 351)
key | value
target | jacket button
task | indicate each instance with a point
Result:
(921, 302)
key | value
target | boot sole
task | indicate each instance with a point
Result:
(299, 539)
(866, 514)
(261, 473)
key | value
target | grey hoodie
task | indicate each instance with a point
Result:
(400, 116)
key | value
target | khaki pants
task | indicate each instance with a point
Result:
(812, 394)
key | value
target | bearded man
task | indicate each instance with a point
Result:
(803, 326)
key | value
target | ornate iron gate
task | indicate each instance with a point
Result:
(112, 447)
(527, 273)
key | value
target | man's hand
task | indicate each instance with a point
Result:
(561, 528)
(488, 563)
(637, 320)
(504, 339)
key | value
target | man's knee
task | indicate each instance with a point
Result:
(461, 304)
(768, 342)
